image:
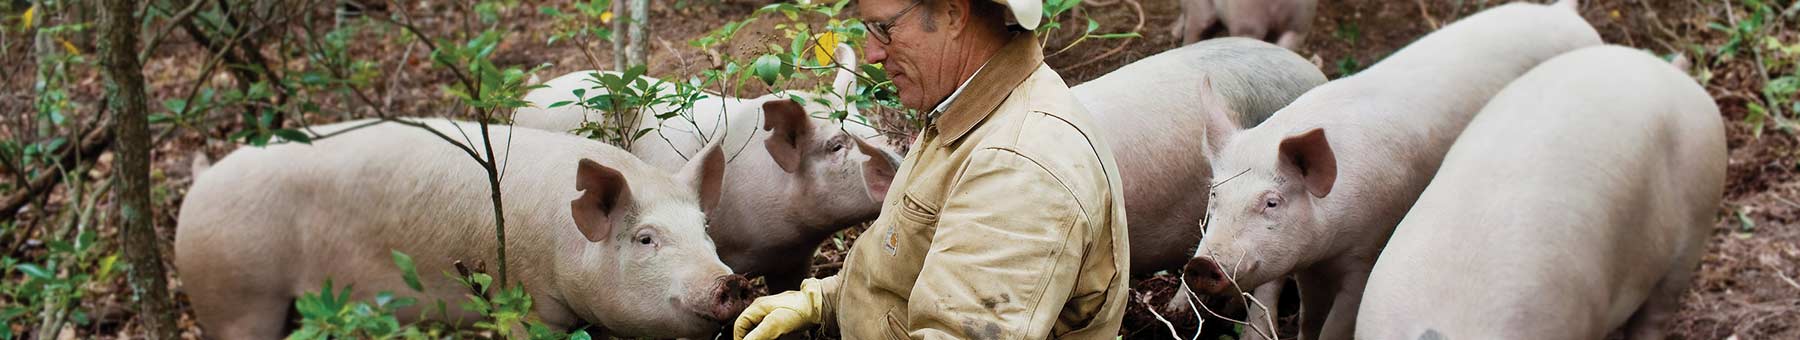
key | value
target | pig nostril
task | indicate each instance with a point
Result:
(1203, 276)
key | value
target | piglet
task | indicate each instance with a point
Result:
(593, 234)
(1316, 190)
(1283, 22)
(1577, 203)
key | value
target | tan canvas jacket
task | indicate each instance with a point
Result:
(1006, 221)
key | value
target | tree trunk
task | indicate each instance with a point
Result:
(635, 51)
(125, 77)
(620, 35)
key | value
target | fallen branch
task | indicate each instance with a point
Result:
(91, 146)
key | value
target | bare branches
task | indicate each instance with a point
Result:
(95, 142)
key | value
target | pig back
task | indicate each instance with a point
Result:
(1581, 187)
(1255, 77)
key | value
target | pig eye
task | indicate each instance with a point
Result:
(645, 237)
(1271, 201)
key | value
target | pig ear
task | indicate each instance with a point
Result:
(790, 127)
(604, 194)
(1220, 125)
(1311, 153)
(878, 171)
(706, 173)
(845, 84)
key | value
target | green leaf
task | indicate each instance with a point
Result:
(560, 104)
(34, 270)
(408, 271)
(294, 136)
(1758, 115)
(1092, 25)
(483, 281)
(1115, 35)
(580, 334)
(767, 68)
(85, 240)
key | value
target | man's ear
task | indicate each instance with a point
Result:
(604, 196)
(955, 17)
(1311, 153)
(790, 129)
(878, 171)
(705, 172)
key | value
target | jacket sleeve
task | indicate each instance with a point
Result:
(828, 293)
(1005, 254)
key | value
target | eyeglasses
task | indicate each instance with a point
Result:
(879, 30)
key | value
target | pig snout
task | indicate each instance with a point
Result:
(728, 297)
(1205, 277)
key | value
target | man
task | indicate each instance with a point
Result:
(1004, 222)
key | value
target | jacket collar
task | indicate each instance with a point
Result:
(1003, 72)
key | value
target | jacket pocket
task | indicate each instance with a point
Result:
(896, 330)
(917, 212)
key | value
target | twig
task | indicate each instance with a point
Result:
(1232, 277)
(1784, 278)
(1141, 298)
(174, 20)
(1139, 8)
(387, 101)
(92, 145)
(1423, 11)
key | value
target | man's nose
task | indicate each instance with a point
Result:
(874, 52)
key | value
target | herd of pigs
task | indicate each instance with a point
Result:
(1507, 176)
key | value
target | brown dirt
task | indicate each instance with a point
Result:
(1744, 288)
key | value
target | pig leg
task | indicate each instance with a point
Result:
(1291, 40)
(1316, 297)
(1346, 299)
(1663, 302)
(1196, 17)
(1341, 324)
(1253, 28)
(1262, 312)
(250, 317)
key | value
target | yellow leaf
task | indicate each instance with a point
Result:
(606, 17)
(1614, 14)
(29, 14)
(106, 265)
(69, 47)
(822, 51)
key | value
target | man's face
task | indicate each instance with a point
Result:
(917, 59)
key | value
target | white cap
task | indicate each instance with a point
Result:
(1026, 12)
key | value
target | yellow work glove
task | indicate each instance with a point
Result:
(772, 316)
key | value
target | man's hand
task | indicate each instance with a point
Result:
(772, 316)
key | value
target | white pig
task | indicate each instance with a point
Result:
(1283, 22)
(1577, 203)
(594, 235)
(1158, 106)
(1287, 200)
(800, 176)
